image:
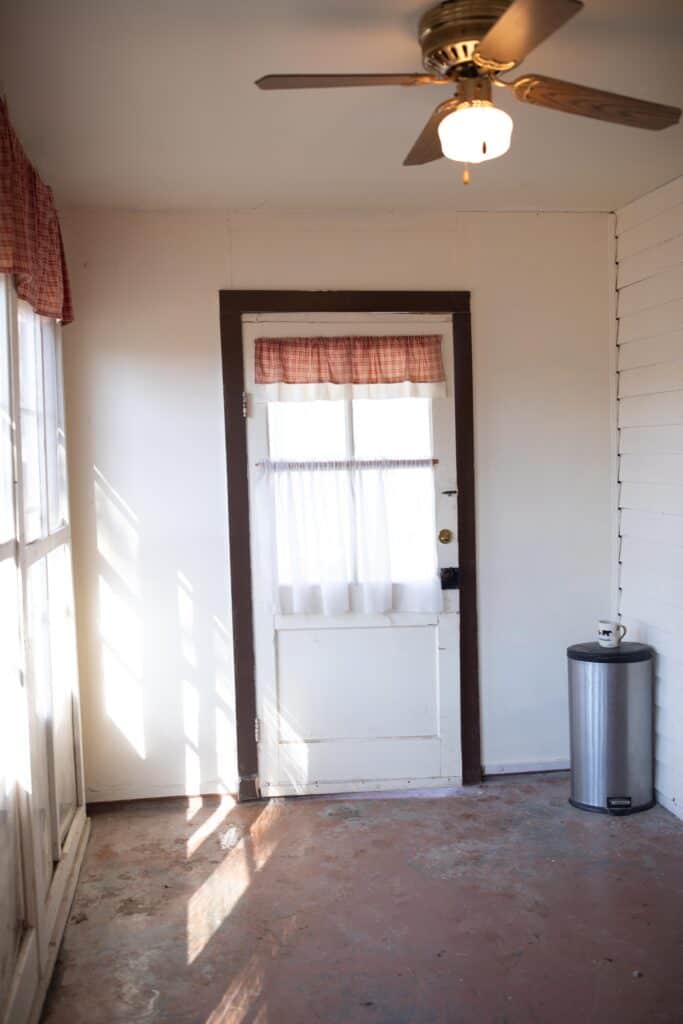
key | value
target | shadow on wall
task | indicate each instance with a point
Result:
(159, 668)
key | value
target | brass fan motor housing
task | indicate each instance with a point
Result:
(449, 34)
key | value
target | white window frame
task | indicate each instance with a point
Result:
(46, 900)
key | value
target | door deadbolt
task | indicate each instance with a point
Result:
(445, 536)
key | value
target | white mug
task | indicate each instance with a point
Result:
(610, 634)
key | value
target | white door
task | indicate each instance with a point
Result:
(355, 701)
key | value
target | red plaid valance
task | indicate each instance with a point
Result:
(30, 240)
(385, 359)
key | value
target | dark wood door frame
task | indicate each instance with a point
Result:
(235, 304)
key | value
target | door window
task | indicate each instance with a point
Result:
(352, 499)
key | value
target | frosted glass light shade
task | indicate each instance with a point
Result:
(475, 132)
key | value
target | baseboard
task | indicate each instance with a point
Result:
(118, 794)
(669, 803)
(350, 788)
(124, 793)
(559, 764)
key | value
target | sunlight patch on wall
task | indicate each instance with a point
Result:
(121, 636)
(118, 538)
(224, 717)
(186, 620)
(191, 699)
(123, 699)
(191, 729)
(120, 627)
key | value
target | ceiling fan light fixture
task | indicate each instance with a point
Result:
(476, 131)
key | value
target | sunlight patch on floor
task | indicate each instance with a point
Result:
(208, 827)
(214, 901)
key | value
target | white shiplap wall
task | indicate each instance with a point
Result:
(650, 403)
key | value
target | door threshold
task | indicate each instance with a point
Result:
(388, 789)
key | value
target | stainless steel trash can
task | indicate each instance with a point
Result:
(611, 727)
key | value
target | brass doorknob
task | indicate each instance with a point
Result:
(445, 536)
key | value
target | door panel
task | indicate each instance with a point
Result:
(321, 687)
(355, 701)
(338, 765)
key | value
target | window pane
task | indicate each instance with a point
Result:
(13, 776)
(411, 524)
(63, 676)
(392, 428)
(38, 632)
(54, 427)
(307, 430)
(32, 447)
(6, 469)
(61, 432)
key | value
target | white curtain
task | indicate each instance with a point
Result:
(351, 536)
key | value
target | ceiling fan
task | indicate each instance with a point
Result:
(468, 44)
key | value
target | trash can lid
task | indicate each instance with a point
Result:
(623, 653)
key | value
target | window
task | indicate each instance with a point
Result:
(13, 748)
(352, 504)
(33, 451)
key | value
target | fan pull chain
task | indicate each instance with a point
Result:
(466, 175)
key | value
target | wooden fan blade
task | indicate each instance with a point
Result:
(604, 106)
(428, 145)
(344, 81)
(525, 25)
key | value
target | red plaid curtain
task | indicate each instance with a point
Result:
(386, 359)
(30, 239)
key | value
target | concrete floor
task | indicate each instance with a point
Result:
(496, 905)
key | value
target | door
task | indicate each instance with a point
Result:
(359, 699)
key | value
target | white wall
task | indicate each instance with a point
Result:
(650, 337)
(145, 413)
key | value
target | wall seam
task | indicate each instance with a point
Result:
(614, 416)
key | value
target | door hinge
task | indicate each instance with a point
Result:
(245, 404)
(257, 730)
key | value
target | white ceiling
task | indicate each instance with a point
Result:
(151, 104)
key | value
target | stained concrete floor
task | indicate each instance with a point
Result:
(496, 905)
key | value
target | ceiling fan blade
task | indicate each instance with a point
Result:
(525, 25)
(428, 145)
(343, 81)
(604, 106)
